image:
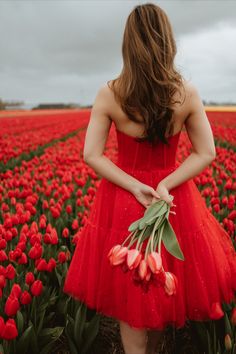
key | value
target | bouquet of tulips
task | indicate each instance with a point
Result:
(146, 266)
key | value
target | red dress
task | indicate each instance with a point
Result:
(205, 277)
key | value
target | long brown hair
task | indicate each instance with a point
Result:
(148, 80)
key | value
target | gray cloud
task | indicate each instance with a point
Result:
(64, 50)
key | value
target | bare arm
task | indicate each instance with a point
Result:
(95, 141)
(201, 137)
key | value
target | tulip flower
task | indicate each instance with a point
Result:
(12, 305)
(170, 283)
(25, 298)
(216, 311)
(142, 268)
(233, 317)
(10, 330)
(133, 258)
(29, 278)
(228, 342)
(36, 288)
(118, 255)
(154, 261)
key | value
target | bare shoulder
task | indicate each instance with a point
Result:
(103, 90)
(192, 91)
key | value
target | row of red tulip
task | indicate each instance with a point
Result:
(223, 125)
(46, 201)
(26, 133)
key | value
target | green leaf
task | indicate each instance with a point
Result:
(228, 328)
(19, 321)
(23, 343)
(170, 241)
(59, 277)
(91, 333)
(152, 211)
(209, 346)
(42, 314)
(73, 349)
(47, 336)
(33, 341)
(134, 225)
(80, 319)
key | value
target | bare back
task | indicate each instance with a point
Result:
(124, 124)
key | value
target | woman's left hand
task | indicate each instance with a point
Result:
(164, 195)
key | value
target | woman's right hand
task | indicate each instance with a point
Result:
(164, 194)
(145, 194)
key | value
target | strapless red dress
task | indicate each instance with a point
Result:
(206, 276)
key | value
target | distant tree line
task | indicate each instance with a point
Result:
(5, 104)
(20, 105)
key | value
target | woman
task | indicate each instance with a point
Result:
(149, 103)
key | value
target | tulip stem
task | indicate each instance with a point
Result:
(160, 236)
(140, 237)
(133, 232)
(154, 230)
(150, 241)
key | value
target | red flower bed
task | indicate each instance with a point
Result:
(46, 201)
(27, 132)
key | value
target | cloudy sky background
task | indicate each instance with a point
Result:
(63, 51)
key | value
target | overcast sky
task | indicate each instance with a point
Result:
(63, 51)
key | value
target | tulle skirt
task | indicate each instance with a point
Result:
(206, 276)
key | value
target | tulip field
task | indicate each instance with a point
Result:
(46, 194)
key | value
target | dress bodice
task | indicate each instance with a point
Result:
(135, 155)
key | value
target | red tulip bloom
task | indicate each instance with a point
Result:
(10, 330)
(35, 251)
(51, 265)
(54, 237)
(23, 259)
(16, 290)
(25, 298)
(10, 272)
(29, 278)
(36, 288)
(65, 232)
(12, 305)
(3, 243)
(42, 265)
(2, 326)
(2, 281)
(3, 256)
(69, 209)
(216, 311)
(75, 224)
(62, 257)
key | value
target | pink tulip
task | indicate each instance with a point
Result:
(154, 261)
(170, 283)
(118, 256)
(133, 258)
(113, 249)
(142, 270)
(160, 277)
(228, 342)
(148, 275)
